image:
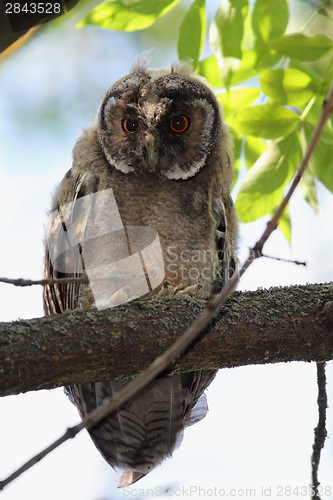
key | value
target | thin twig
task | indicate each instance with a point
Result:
(163, 361)
(49, 281)
(114, 276)
(320, 431)
(289, 261)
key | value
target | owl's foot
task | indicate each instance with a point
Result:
(85, 302)
(124, 294)
(189, 290)
(165, 290)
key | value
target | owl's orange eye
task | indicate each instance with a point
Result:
(179, 123)
(130, 125)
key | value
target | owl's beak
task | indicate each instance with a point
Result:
(153, 147)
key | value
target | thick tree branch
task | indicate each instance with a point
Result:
(267, 326)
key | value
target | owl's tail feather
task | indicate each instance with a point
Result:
(146, 429)
(130, 477)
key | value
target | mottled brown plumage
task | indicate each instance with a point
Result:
(162, 147)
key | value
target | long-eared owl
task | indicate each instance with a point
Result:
(145, 211)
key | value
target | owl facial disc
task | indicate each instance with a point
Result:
(159, 124)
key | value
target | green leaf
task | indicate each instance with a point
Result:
(210, 70)
(314, 111)
(268, 120)
(291, 152)
(246, 68)
(301, 47)
(254, 147)
(287, 86)
(263, 53)
(284, 224)
(128, 15)
(235, 99)
(308, 190)
(270, 19)
(192, 32)
(321, 161)
(227, 28)
(263, 187)
(325, 13)
(293, 63)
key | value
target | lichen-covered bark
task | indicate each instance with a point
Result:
(267, 326)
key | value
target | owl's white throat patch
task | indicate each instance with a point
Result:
(119, 164)
(178, 174)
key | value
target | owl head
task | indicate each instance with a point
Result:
(166, 122)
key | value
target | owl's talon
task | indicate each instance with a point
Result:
(189, 290)
(124, 294)
(165, 290)
(84, 302)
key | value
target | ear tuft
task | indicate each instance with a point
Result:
(183, 68)
(141, 62)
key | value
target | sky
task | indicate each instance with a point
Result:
(258, 433)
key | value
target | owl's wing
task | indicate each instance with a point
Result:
(195, 383)
(226, 224)
(194, 400)
(63, 250)
(57, 298)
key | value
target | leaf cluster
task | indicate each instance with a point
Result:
(265, 80)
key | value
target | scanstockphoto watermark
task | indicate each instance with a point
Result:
(197, 265)
(87, 237)
(195, 491)
(189, 491)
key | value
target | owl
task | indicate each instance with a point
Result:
(150, 181)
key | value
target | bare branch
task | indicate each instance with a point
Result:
(49, 281)
(320, 431)
(289, 261)
(70, 433)
(21, 282)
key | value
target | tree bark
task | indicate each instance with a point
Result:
(266, 326)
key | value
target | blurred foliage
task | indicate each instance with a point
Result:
(272, 115)
(128, 15)
(56, 82)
